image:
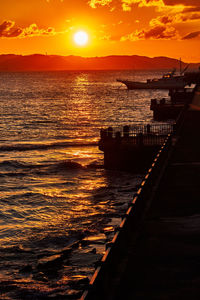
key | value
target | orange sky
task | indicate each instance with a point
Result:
(115, 27)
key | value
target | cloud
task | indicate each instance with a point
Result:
(191, 35)
(160, 4)
(126, 4)
(161, 20)
(126, 7)
(33, 30)
(94, 3)
(187, 18)
(9, 30)
(143, 2)
(175, 19)
(105, 37)
(159, 32)
(192, 9)
(181, 2)
(194, 16)
(155, 33)
(6, 25)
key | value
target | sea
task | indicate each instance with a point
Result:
(58, 205)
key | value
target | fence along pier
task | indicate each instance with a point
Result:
(155, 251)
(132, 148)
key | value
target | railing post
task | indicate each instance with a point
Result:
(118, 137)
(162, 101)
(126, 131)
(103, 134)
(140, 139)
(174, 127)
(148, 128)
(110, 132)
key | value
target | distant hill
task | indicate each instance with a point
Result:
(38, 62)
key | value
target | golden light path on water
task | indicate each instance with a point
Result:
(76, 194)
(55, 191)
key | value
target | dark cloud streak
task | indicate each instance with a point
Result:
(191, 35)
(183, 2)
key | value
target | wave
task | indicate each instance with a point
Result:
(28, 147)
(72, 165)
(16, 168)
(95, 165)
(21, 165)
(66, 165)
(14, 164)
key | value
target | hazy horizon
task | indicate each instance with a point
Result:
(41, 62)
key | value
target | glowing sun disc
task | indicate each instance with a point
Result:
(81, 38)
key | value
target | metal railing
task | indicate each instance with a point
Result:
(135, 130)
(143, 135)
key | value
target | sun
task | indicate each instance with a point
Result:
(81, 38)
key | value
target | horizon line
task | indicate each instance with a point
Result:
(103, 56)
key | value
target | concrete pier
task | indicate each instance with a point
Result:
(165, 109)
(163, 263)
(156, 253)
(132, 148)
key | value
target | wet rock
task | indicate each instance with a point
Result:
(7, 286)
(74, 296)
(76, 245)
(97, 264)
(65, 253)
(79, 282)
(26, 269)
(69, 165)
(40, 277)
(94, 239)
(50, 264)
(118, 204)
(95, 165)
(94, 251)
(84, 243)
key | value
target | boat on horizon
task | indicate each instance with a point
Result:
(168, 81)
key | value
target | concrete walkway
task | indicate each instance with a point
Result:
(164, 263)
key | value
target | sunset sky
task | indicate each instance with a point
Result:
(114, 27)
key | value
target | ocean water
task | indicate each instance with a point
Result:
(58, 205)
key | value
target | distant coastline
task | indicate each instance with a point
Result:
(39, 62)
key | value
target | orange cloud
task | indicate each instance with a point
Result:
(181, 2)
(33, 30)
(142, 3)
(159, 4)
(175, 19)
(9, 30)
(192, 9)
(94, 3)
(161, 20)
(126, 4)
(192, 35)
(157, 32)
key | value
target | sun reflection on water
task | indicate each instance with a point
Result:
(55, 191)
